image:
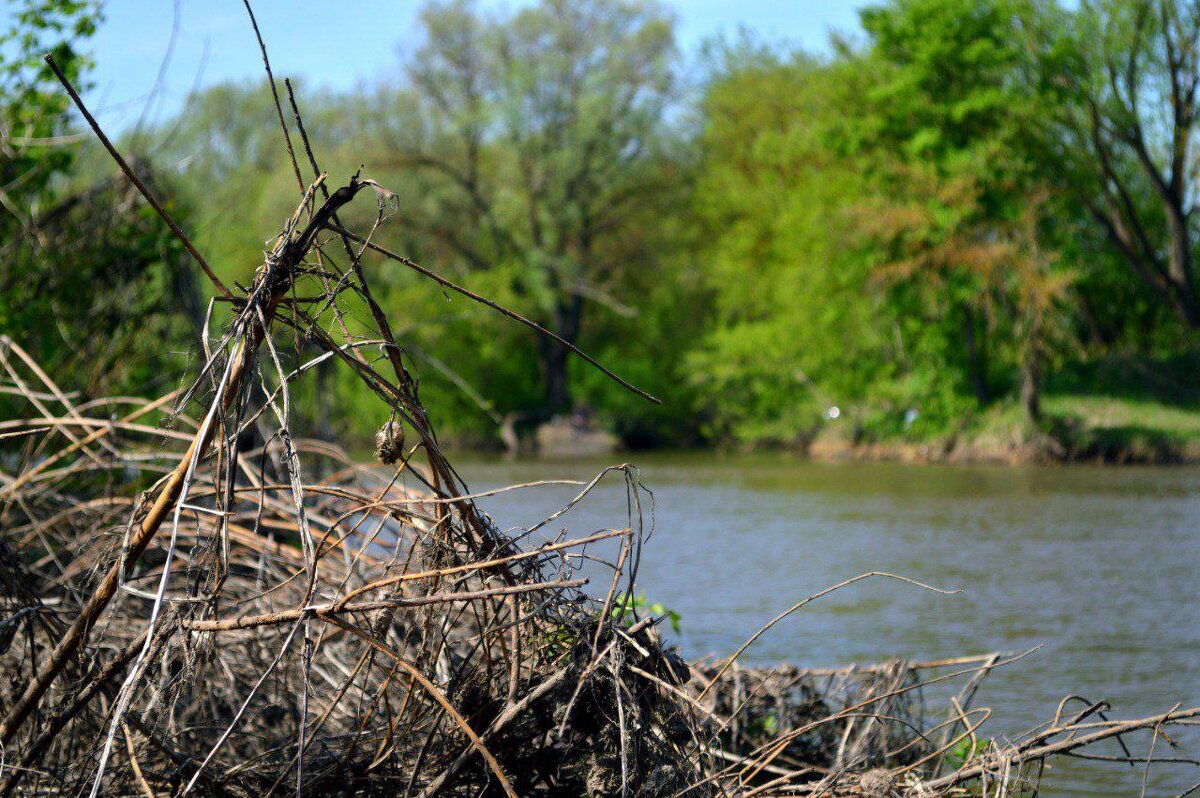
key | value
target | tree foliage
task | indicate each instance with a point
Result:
(33, 109)
(92, 284)
(537, 137)
(936, 217)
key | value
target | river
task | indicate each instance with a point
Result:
(1098, 566)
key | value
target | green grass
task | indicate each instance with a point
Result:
(1120, 429)
(1128, 409)
(1112, 414)
(1118, 409)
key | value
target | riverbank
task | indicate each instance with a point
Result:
(1074, 429)
(1116, 410)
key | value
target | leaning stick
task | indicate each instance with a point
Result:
(469, 294)
(137, 182)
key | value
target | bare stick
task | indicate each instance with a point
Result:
(326, 610)
(533, 325)
(133, 178)
(1070, 743)
(808, 600)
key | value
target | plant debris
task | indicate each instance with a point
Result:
(196, 600)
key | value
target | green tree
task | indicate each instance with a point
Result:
(536, 136)
(34, 111)
(92, 283)
(958, 129)
(226, 159)
(795, 329)
(868, 218)
(104, 297)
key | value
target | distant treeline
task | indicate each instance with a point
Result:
(933, 218)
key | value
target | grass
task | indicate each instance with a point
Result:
(1122, 409)
(1112, 414)
(1128, 409)
(1119, 429)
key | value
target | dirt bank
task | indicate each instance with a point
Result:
(1095, 449)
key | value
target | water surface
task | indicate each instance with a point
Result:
(1099, 566)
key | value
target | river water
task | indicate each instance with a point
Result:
(1098, 566)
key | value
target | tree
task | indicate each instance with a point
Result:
(92, 283)
(105, 298)
(1135, 66)
(1039, 293)
(939, 239)
(536, 137)
(796, 326)
(34, 111)
(870, 224)
(225, 158)
(959, 102)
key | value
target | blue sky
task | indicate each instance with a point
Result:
(341, 43)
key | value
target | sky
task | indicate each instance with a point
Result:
(341, 43)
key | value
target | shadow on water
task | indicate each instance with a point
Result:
(1096, 565)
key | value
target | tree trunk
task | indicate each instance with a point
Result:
(568, 315)
(1179, 266)
(976, 365)
(1031, 384)
(556, 393)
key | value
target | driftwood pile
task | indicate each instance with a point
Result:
(193, 600)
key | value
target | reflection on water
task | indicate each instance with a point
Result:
(1097, 565)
